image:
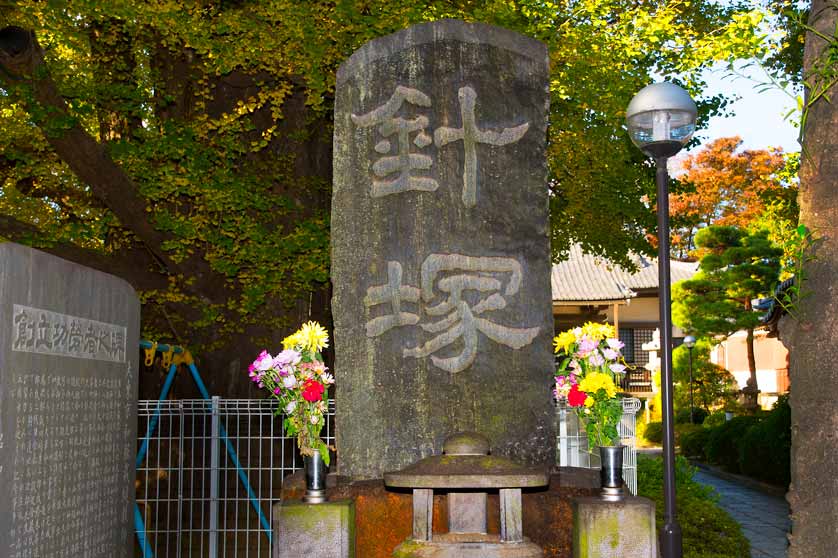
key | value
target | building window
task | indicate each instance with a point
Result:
(634, 338)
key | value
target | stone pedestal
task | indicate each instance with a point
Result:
(314, 530)
(448, 546)
(604, 529)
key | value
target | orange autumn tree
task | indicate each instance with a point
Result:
(723, 185)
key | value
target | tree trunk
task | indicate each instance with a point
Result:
(811, 340)
(751, 391)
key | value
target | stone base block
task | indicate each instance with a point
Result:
(478, 546)
(604, 529)
(314, 530)
(384, 518)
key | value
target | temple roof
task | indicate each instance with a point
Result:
(584, 277)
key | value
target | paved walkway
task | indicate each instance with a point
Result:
(764, 518)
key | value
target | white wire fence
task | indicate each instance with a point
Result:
(572, 441)
(211, 471)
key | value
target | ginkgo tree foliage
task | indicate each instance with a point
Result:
(186, 145)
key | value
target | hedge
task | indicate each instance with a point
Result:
(722, 447)
(707, 530)
(693, 443)
(764, 450)
(682, 416)
(654, 432)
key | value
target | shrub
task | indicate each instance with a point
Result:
(682, 429)
(723, 444)
(707, 530)
(654, 432)
(764, 450)
(650, 478)
(683, 416)
(692, 443)
(716, 418)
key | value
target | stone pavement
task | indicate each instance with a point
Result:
(764, 518)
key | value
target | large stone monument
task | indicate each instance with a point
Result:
(68, 397)
(440, 252)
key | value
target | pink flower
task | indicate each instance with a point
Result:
(263, 362)
(610, 354)
(286, 357)
(586, 345)
(617, 368)
(615, 344)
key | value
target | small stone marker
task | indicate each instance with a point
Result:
(440, 253)
(603, 529)
(324, 530)
(69, 339)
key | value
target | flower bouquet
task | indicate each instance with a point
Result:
(299, 381)
(587, 378)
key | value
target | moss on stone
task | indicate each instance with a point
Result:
(408, 549)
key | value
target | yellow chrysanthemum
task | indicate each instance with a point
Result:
(563, 341)
(292, 341)
(598, 331)
(596, 381)
(313, 337)
(589, 401)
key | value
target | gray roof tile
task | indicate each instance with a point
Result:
(585, 277)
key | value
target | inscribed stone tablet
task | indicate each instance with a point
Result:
(440, 254)
(68, 391)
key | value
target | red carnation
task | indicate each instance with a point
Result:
(576, 397)
(313, 390)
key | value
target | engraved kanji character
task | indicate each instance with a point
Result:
(118, 345)
(394, 293)
(59, 336)
(75, 337)
(24, 331)
(44, 339)
(103, 341)
(404, 162)
(453, 275)
(90, 340)
(471, 135)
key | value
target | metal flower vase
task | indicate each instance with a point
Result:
(315, 479)
(611, 472)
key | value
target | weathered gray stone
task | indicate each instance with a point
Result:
(604, 529)
(324, 530)
(69, 350)
(440, 253)
(467, 513)
(448, 546)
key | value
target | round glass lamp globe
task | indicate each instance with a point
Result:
(661, 119)
(689, 341)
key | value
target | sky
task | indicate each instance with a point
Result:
(758, 116)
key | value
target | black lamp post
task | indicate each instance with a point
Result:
(661, 119)
(689, 342)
